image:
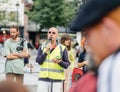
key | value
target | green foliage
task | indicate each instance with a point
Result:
(70, 10)
(50, 13)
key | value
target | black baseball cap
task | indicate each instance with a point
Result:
(91, 12)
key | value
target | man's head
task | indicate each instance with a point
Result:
(14, 32)
(99, 22)
(52, 33)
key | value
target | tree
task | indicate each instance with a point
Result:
(70, 10)
(50, 13)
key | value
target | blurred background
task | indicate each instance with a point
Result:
(34, 17)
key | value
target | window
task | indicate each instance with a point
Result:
(13, 16)
(3, 1)
(2, 15)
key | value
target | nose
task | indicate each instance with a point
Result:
(11, 34)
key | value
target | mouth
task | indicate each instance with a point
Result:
(51, 37)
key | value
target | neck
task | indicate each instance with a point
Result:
(15, 39)
(53, 42)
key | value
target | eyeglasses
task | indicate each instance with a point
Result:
(51, 32)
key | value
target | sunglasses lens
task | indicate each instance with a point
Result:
(51, 32)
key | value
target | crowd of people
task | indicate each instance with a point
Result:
(97, 68)
(56, 60)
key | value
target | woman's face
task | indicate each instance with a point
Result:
(67, 42)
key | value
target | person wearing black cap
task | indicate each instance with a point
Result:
(99, 22)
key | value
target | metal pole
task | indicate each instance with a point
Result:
(4, 36)
(17, 5)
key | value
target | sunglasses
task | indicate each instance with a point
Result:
(51, 32)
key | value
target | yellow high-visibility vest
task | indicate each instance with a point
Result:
(52, 70)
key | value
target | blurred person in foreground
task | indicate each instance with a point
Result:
(53, 59)
(99, 21)
(15, 50)
(10, 86)
(85, 76)
(66, 41)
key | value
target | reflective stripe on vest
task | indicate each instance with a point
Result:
(48, 60)
(51, 70)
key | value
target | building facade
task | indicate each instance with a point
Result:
(12, 13)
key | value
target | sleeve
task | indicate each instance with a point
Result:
(65, 61)
(40, 56)
(6, 49)
(81, 57)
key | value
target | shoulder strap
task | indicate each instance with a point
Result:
(22, 42)
(61, 52)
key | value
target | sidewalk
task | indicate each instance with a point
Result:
(30, 81)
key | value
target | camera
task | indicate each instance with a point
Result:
(19, 48)
(20, 45)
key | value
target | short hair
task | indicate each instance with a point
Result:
(14, 26)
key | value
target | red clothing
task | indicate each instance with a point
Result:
(87, 83)
(76, 71)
